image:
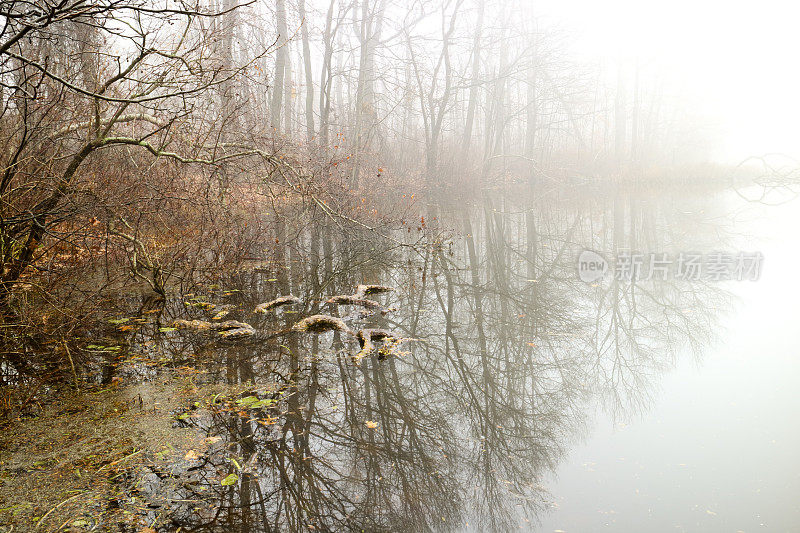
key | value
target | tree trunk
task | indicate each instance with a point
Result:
(473, 89)
(620, 120)
(281, 61)
(301, 6)
(326, 77)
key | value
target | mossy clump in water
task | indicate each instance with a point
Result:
(367, 338)
(352, 300)
(195, 325)
(276, 303)
(322, 324)
(367, 290)
(228, 329)
(232, 329)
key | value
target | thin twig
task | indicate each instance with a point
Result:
(39, 523)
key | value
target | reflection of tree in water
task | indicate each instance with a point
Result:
(510, 347)
(638, 328)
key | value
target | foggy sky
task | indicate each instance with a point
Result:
(734, 62)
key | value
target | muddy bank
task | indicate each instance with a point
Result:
(89, 461)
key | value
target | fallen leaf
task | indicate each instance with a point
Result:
(191, 455)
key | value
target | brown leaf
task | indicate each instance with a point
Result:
(191, 455)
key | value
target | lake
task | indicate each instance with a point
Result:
(512, 388)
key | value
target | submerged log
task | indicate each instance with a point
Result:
(237, 330)
(353, 300)
(361, 314)
(358, 298)
(276, 303)
(321, 324)
(197, 325)
(366, 290)
(227, 329)
(230, 324)
(220, 311)
(367, 338)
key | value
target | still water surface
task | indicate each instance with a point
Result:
(522, 397)
(717, 450)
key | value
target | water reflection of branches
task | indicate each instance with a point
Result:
(511, 349)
